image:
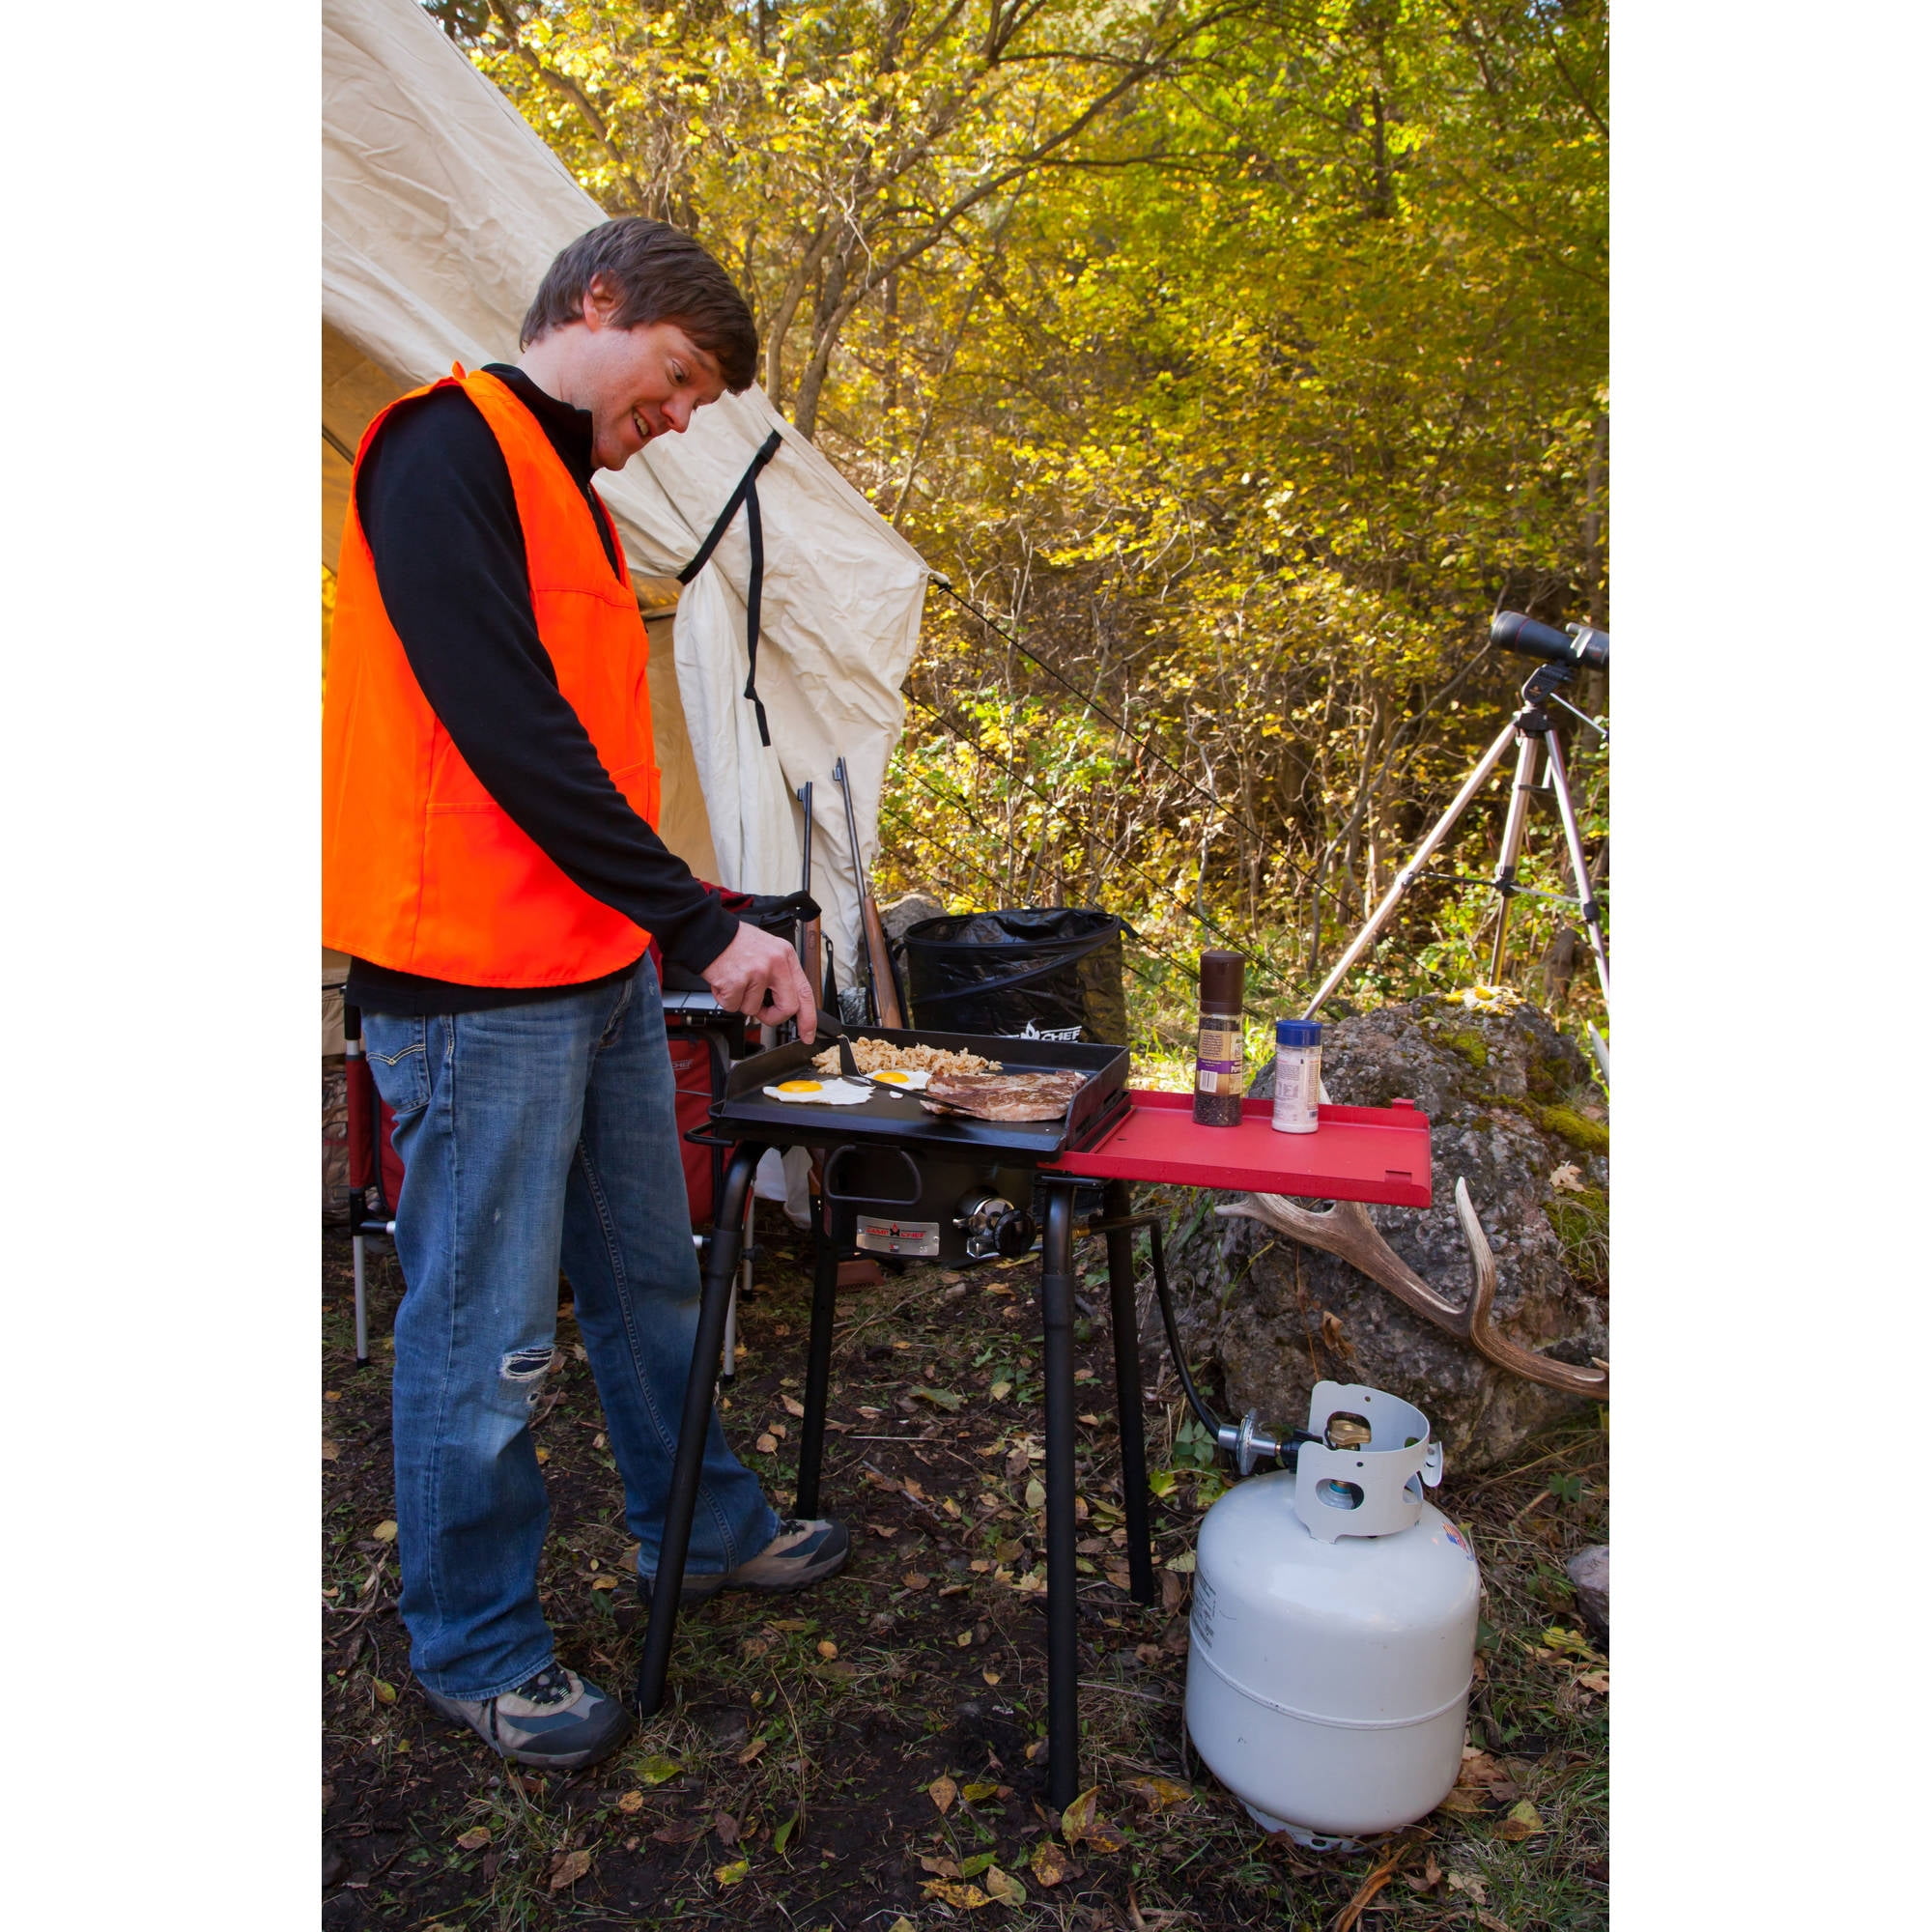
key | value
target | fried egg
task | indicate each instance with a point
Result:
(818, 1093)
(912, 1078)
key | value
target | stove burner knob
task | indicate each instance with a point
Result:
(1015, 1233)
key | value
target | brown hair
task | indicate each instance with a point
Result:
(661, 275)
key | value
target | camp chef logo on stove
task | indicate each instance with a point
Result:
(898, 1237)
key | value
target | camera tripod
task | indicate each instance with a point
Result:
(1533, 732)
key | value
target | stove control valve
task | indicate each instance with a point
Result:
(994, 1226)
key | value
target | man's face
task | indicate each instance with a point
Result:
(636, 384)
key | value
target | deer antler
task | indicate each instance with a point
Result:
(1344, 1230)
(1591, 1381)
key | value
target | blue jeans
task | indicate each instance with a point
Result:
(533, 1134)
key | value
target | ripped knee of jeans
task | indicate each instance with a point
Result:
(526, 1368)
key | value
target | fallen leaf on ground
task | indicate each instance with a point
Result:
(766, 1443)
(385, 1532)
(679, 1833)
(659, 1770)
(939, 1867)
(1048, 1862)
(473, 1839)
(1000, 1391)
(1183, 1564)
(915, 1579)
(1490, 1923)
(1159, 1794)
(1598, 1681)
(1082, 1823)
(1004, 1886)
(827, 1649)
(1463, 1801)
(632, 1800)
(1468, 1882)
(329, 1452)
(972, 1867)
(385, 1694)
(902, 1924)
(1035, 1493)
(570, 1866)
(753, 1750)
(726, 1827)
(974, 1793)
(731, 1874)
(942, 1791)
(604, 1582)
(944, 1399)
(967, 1897)
(789, 1624)
(792, 1404)
(1572, 1643)
(1521, 1822)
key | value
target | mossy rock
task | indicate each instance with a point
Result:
(1565, 1122)
(1470, 1045)
(1590, 1136)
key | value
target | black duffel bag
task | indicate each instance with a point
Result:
(1036, 973)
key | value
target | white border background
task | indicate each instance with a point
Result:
(160, 820)
(161, 823)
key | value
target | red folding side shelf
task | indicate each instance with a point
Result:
(1356, 1154)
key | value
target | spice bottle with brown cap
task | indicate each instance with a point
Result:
(1218, 1070)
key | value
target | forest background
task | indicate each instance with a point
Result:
(1236, 358)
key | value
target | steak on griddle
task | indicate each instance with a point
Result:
(1003, 1096)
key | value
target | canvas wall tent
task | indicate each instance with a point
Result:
(441, 209)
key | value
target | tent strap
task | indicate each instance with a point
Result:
(747, 494)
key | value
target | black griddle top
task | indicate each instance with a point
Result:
(898, 1119)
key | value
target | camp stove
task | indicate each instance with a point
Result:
(946, 1186)
(902, 1182)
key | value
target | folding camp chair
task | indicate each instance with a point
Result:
(375, 1168)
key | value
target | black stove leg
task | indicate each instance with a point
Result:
(1063, 1613)
(819, 1358)
(707, 1355)
(1117, 1206)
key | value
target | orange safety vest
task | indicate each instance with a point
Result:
(422, 871)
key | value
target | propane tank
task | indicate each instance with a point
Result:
(1334, 1630)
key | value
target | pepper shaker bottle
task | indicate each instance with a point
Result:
(1218, 1050)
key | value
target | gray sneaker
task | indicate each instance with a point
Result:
(800, 1553)
(557, 1720)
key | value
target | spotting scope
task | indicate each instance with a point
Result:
(1512, 631)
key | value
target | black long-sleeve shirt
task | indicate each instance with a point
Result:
(436, 503)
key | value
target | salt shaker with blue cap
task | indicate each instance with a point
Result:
(1297, 1076)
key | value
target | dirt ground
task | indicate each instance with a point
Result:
(867, 1753)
